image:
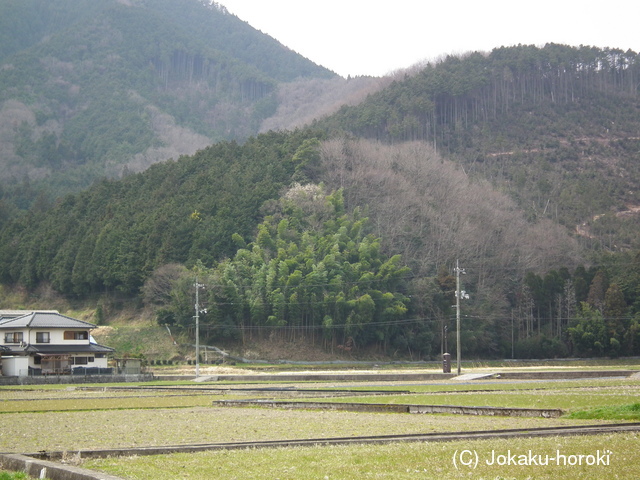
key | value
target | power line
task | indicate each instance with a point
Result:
(410, 321)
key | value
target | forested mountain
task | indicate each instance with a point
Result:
(557, 127)
(90, 89)
(113, 235)
(349, 231)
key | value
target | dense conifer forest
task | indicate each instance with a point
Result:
(522, 164)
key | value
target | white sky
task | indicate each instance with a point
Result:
(358, 37)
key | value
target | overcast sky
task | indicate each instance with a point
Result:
(370, 37)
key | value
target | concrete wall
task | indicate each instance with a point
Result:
(50, 470)
(315, 377)
(396, 408)
(64, 379)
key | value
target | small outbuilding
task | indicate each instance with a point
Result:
(129, 366)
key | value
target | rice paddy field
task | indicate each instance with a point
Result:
(87, 417)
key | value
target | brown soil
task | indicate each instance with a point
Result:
(274, 349)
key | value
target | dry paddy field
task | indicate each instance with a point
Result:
(72, 418)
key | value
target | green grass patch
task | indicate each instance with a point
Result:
(13, 475)
(615, 412)
(398, 461)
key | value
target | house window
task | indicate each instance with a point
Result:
(70, 335)
(80, 360)
(42, 337)
(13, 337)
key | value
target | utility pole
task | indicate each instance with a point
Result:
(459, 294)
(198, 287)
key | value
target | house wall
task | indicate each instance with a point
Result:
(56, 336)
(25, 336)
(101, 362)
(94, 363)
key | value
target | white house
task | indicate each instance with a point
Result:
(47, 342)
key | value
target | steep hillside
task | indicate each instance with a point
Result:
(558, 128)
(93, 89)
(113, 235)
(304, 100)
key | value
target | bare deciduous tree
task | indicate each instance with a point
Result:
(429, 210)
(157, 289)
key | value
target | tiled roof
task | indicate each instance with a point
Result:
(19, 313)
(57, 349)
(44, 319)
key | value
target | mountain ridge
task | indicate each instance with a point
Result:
(569, 117)
(81, 90)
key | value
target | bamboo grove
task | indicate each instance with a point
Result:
(312, 273)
